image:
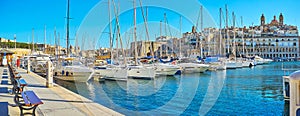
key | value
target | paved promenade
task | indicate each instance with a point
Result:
(57, 100)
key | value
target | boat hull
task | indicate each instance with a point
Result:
(146, 73)
(193, 68)
(74, 77)
(112, 73)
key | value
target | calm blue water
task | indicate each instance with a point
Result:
(246, 91)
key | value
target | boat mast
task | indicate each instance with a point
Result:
(146, 27)
(201, 27)
(227, 31)
(234, 47)
(45, 39)
(135, 44)
(220, 30)
(165, 19)
(180, 37)
(68, 24)
(118, 30)
(160, 27)
(253, 40)
(110, 33)
(55, 39)
(32, 40)
(243, 35)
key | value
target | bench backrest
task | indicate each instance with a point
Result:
(30, 98)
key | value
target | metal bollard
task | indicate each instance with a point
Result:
(28, 65)
(49, 82)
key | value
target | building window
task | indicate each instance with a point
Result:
(295, 44)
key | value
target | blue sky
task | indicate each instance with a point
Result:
(20, 16)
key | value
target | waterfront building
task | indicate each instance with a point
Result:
(145, 48)
(275, 40)
(6, 40)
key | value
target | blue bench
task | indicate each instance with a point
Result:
(30, 102)
(19, 85)
(4, 108)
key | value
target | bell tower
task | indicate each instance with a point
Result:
(262, 20)
(280, 19)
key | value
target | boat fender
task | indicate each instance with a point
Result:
(55, 74)
(62, 72)
(250, 65)
(173, 63)
(67, 73)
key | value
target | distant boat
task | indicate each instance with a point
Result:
(260, 60)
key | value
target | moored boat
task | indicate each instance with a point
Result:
(72, 70)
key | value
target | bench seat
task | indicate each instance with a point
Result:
(29, 101)
(30, 98)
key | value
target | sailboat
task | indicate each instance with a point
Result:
(69, 68)
(216, 63)
(111, 71)
(137, 70)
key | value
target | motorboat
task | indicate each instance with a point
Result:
(230, 64)
(112, 72)
(69, 69)
(139, 71)
(38, 65)
(193, 67)
(166, 69)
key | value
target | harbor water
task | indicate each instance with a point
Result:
(244, 91)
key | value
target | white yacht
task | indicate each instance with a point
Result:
(38, 65)
(166, 69)
(230, 64)
(70, 69)
(267, 61)
(259, 60)
(248, 63)
(112, 72)
(217, 65)
(139, 71)
(193, 67)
